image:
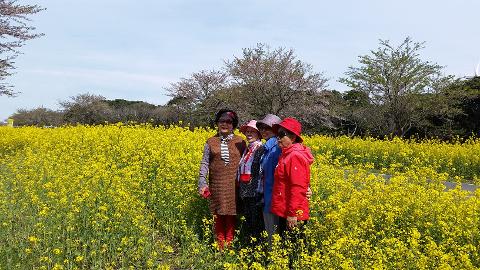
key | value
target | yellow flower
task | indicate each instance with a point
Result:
(33, 239)
(79, 258)
(123, 195)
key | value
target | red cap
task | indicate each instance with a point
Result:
(291, 124)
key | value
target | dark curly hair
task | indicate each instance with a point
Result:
(230, 113)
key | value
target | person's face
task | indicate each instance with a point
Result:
(225, 125)
(266, 131)
(251, 134)
(285, 138)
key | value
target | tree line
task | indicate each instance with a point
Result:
(393, 92)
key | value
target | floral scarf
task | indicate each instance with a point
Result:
(245, 166)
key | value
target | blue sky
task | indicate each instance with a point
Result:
(134, 49)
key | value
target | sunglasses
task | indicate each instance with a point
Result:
(263, 127)
(282, 133)
(225, 121)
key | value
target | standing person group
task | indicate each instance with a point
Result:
(275, 175)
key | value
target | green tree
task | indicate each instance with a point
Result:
(471, 106)
(463, 97)
(352, 109)
(392, 77)
(125, 110)
(86, 109)
(14, 32)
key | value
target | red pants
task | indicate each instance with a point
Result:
(224, 229)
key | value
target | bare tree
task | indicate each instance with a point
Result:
(198, 97)
(274, 81)
(261, 81)
(199, 87)
(14, 32)
(37, 117)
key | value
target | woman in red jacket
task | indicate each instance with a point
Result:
(292, 176)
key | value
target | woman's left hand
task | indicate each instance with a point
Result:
(291, 222)
(309, 193)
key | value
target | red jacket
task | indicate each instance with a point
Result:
(291, 181)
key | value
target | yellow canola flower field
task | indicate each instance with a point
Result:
(460, 161)
(124, 197)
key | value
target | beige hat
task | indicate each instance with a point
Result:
(270, 120)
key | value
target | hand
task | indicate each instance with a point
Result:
(309, 193)
(201, 191)
(291, 222)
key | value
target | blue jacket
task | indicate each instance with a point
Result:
(268, 163)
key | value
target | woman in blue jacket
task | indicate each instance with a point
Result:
(268, 163)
